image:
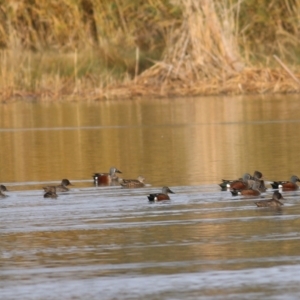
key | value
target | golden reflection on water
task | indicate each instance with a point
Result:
(186, 141)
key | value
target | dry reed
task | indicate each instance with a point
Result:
(92, 49)
(202, 58)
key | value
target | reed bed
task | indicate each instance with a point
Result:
(88, 49)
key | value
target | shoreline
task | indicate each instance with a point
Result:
(248, 82)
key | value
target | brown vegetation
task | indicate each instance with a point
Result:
(92, 49)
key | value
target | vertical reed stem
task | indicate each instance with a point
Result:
(137, 61)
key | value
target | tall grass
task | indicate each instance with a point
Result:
(270, 27)
(82, 47)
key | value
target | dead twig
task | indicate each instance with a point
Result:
(286, 69)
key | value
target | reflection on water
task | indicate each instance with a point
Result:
(110, 243)
(171, 142)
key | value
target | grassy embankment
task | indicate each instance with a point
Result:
(90, 49)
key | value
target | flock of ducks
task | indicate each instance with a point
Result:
(248, 185)
(254, 185)
(103, 179)
(111, 178)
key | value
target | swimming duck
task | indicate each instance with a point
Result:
(243, 183)
(133, 183)
(290, 185)
(107, 178)
(237, 184)
(258, 178)
(58, 188)
(257, 184)
(161, 196)
(274, 202)
(253, 189)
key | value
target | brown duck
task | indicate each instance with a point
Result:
(274, 202)
(290, 185)
(133, 183)
(161, 196)
(107, 178)
(58, 188)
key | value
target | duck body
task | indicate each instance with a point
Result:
(257, 185)
(58, 188)
(268, 203)
(133, 183)
(161, 196)
(290, 185)
(252, 190)
(274, 202)
(243, 183)
(247, 192)
(110, 178)
(237, 184)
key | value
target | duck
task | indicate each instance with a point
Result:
(50, 194)
(233, 184)
(133, 183)
(226, 183)
(243, 183)
(274, 202)
(109, 178)
(290, 185)
(259, 179)
(260, 185)
(58, 188)
(161, 196)
(253, 190)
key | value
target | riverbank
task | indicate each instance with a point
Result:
(163, 79)
(94, 51)
(250, 81)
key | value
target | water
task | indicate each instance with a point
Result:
(110, 243)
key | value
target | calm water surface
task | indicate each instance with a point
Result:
(110, 243)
